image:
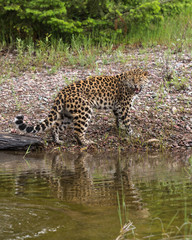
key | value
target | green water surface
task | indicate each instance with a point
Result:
(77, 196)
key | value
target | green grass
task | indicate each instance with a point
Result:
(53, 54)
(174, 32)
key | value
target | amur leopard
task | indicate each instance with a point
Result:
(75, 103)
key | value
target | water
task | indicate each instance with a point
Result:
(75, 197)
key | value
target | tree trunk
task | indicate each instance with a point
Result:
(18, 142)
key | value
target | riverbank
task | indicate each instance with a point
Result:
(161, 114)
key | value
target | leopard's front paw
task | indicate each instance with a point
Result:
(59, 142)
(131, 133)
(87, 142)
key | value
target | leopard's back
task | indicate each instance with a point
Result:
(101, 92)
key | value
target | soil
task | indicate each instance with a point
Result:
(161, 113)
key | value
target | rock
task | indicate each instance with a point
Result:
(174, 110)
(13, 130)
(188, 128)
(154, 142)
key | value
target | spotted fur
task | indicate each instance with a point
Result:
(75, 103)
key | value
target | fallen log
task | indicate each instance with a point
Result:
(18, 142)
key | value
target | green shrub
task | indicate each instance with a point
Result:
(175, 7)
(146, 14)
(104, 20)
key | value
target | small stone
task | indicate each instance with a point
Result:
(188, 128)
(153, 142)
(174, 110)
(13, 130)
(105, 118)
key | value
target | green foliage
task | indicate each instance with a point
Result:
(174, 7)
(146, 14)
(102, 19)
(33, 18)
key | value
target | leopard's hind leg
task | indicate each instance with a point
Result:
(60, 126)
(81, 122)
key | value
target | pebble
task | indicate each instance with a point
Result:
(174, 110)
(105, 118)
(153, 142)
(13, 130)
(188, 128)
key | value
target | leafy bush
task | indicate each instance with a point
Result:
(100, 18)
(174, 7)
(146, 14)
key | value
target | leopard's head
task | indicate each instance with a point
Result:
(135, 79)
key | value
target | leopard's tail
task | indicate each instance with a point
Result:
(43, 126)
